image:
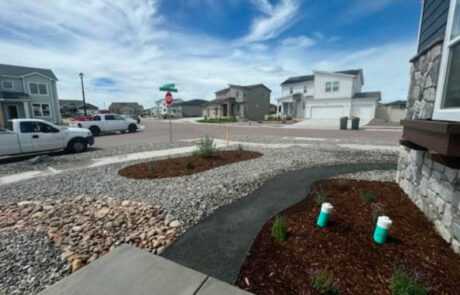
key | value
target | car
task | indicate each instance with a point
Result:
(103, 123)
(133, 117)
(29, 136)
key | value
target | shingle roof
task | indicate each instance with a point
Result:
(12, 95)
(194, 102)
(17, 71)
(125, 104)
(396, 102)
(74, 102)
(299, 79)
(371, 94)
(218, 100)
(351, 72)
(242, 87)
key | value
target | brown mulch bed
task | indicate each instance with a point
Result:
(346, 247)
(185, 165)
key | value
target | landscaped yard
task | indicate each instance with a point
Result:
(217, 120)
(342, 258)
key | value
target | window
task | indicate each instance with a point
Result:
(96, 118)
(237, 94)
(335, 86)
(447, 103)
(328, 86)
(110, 118)
(305, 89)
(38, 89)
(7, 85)
(31, 127)
(41, 110)
(303, 105)
(291, 90)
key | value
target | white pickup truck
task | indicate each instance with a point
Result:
(24, 136)
(107, 123)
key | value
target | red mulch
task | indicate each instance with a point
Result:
(185, 165)
(346, 247)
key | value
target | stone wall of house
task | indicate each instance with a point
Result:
(424, 79)
(435, 189)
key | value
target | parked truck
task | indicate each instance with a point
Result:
(28, 136)
(106, 123)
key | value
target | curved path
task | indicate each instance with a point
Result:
(218, 245)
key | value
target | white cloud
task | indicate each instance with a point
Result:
(126, 42)
(300, 41)
(278, 17)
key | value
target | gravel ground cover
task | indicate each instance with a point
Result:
(373, 175)
(189, 198)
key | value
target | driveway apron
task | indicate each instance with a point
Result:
(218, 245)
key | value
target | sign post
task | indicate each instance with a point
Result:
(169, 101)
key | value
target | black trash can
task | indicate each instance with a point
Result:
(355, 123)
(343, 123)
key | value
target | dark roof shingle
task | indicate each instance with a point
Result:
(299, 79)
(370, 94)
(17, 71)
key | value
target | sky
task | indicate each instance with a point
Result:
(127, 49)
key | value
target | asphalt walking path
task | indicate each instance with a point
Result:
(218, 245)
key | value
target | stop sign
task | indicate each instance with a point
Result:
(168, 98)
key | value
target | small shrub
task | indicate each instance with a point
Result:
(323, 282)
(341, 182)
(151, 167)
(189, 166)
(240, 148)
(320, 198)
(368, 197)
(279, 229)
(206, 147)
(404, 283)
(378, 210)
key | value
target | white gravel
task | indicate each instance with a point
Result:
(373, 175)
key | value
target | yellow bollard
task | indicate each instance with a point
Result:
(228, 136)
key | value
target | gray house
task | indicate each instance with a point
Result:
(429, 162)
(245, 102)
(126, 108)
(72, 107)
(28, 93)
(191, 108)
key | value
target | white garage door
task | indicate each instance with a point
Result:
(364, 111)
(332, 112)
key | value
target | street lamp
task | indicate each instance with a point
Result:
(83, 92)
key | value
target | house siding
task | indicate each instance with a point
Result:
(434, 21)
(257, 103)
(345, 86)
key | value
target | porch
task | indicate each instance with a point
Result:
(13, 106)
(291, 106)
(224, 108)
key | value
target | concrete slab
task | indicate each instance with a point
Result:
(214, 287)
(129, 270)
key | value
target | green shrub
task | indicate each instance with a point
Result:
(368, 197)
(341, 182)
(240, 148)
(189, 166)
(206, 147)
(403, 283)
(151, 167)
(279, 229)
(320, 198)
(323, 283)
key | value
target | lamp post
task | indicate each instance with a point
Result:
(83, 92)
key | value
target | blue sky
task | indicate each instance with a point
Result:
(127, 48)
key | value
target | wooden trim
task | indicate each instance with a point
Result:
(412, 145)
(442, 137)
(451, 162)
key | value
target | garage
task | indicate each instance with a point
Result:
(363, 111)
(327, 112)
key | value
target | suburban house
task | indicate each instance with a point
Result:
(245, 102)
(429, 163)
(160, 109)
(126, 108)
(327, 95)
(191, 108)
(75, 107)
(28, 93)
(392, 112)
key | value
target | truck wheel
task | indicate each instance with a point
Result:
(78, 145)
(95, 130)
(132, 128)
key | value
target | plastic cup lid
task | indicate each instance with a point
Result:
(326, 207)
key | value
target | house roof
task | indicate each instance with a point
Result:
(219, 101)
(396, 102)
(298, 79)
(18, 71)
(194, 102)
(371, 94)
(115, 105)
(75, 102)
(248, 87)
(13, 95)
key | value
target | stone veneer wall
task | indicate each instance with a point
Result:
(433, 187)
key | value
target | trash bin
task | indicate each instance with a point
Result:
(355, 123)
(343, 123)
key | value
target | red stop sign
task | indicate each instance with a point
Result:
(168, 98)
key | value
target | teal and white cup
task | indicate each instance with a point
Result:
(382, 228)
(323, 218)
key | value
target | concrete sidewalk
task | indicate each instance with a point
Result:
(129, 270)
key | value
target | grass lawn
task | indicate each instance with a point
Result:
(217, 120)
